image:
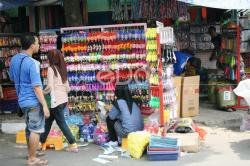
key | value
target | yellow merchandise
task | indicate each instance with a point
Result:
(137, 143)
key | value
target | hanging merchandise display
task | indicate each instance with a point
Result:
(152, 59)
(168, 106)
(97, 60)
(227, 57)
(48, 40)
(148, 9)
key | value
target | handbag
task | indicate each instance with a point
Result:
(19, 110)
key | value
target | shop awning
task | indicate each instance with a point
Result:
(7, 4)
(226, 4)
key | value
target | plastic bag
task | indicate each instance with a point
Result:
(137, 143)
(100, 135)
(182, 59)
(243, 90)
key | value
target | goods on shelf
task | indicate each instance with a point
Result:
(48, 40)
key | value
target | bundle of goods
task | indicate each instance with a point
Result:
(137, 143)
(100, 135)
(87, 132)
(163, 148)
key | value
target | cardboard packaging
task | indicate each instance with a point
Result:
(190, 96)
(189, 142)
(178, 84)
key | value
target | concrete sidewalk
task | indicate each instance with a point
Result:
(209, 116)
(213, 117)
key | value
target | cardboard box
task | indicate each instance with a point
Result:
(190, 96)
(189, 142)
(178, 84)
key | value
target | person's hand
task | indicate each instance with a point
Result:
(108, 107)
(46, 112)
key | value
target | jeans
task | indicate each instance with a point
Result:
(34, 119)
(57, 114)
(115, 130)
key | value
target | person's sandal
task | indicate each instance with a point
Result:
(38, 162)
(39, 153)
(72, 148)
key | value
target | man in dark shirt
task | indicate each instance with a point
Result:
(216, 40)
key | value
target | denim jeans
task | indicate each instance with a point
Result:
(34, 119)
(57, 114)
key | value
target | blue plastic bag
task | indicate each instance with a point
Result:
(181, 61)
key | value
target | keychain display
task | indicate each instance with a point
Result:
(152, 59)
(96, 61)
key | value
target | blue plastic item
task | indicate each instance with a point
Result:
(181, 61)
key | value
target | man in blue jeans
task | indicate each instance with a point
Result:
(25, 72)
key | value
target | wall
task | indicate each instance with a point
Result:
(99, 5)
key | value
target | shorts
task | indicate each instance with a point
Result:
(34, 119)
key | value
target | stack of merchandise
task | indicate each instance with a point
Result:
(163, 148)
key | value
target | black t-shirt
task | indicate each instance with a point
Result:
(216, 42)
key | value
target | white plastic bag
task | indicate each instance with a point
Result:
(243, 90)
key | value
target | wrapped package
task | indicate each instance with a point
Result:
(137, 143)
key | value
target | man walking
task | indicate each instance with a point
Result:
(25, 72)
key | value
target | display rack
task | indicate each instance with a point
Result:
(233, 62)
(97, 56)
(165, 42)
(239, 106)
(9, 46)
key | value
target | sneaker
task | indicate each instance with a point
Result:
(111, 143)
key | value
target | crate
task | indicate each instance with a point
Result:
(20, 137)
(9, 93)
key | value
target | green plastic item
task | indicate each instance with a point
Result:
(154, 102)
(225, 96)
(212, 92)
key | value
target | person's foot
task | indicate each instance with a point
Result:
(72, 148)
(37, 162)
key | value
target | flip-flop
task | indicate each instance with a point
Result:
(38, 162)
(39, 153)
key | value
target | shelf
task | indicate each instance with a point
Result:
(16, 46)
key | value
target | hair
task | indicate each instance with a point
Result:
(122, 92)
(27, 39)
(56, 61)
(211, 29)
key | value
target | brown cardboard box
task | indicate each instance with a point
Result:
(178, 84)
(189, 142)
(190, 96)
